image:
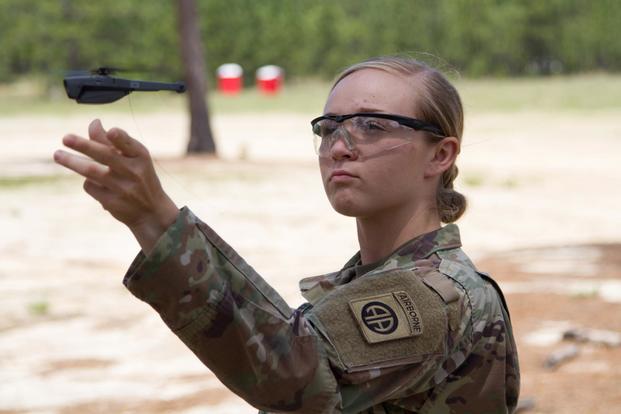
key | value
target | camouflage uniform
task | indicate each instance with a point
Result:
(420, 331)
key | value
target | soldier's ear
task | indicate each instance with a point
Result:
(442, 156)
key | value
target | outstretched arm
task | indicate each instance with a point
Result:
(211, 299)
(120, 175)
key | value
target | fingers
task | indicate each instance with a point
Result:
(99, 152)
(81, 165)
(95, 190)
(114, 158)
(96, 132)
(126, 144)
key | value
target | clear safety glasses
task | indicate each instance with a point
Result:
(363, 128)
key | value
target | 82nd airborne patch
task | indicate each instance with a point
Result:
(386, 317)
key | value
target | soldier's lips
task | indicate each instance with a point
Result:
(341, 176)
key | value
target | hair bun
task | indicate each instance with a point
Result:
(451, 205)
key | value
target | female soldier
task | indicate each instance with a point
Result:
(408, 324)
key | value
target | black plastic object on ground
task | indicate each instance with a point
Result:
(99, 87)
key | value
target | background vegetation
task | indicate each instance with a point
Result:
(312, 38)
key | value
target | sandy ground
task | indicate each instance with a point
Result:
(544, 218)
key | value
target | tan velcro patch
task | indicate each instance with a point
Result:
(382, 320)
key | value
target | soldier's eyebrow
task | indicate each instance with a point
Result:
(361, 109)
(370, 109)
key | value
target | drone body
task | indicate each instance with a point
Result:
(99, 87)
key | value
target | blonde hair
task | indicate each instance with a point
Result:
(438, 103)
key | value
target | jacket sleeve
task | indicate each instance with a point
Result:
(234, 322)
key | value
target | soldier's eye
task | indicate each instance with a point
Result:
(371, 126)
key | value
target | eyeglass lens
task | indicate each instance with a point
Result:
(354, 131)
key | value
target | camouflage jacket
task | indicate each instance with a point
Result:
(418, 332)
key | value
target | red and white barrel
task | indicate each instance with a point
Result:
(230, 76)
(270, 79)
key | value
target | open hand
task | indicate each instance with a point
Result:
(120, 175)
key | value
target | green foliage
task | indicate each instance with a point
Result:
(15, 182)
(312, 38)
(39, 308)
(574, 93)
(51, 37)
(474, 180)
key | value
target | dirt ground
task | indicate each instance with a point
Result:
(543, 219)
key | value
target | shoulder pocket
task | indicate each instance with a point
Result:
(382, 320)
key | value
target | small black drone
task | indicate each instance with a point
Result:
(98, 87)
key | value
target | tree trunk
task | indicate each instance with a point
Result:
(201, 138)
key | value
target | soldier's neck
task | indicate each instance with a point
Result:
(382, 234)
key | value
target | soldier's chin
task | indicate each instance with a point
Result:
(347, 208)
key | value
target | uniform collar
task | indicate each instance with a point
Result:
(421, 247)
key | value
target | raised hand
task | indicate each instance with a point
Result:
(120, 175)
